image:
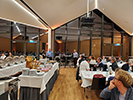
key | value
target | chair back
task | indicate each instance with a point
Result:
(104, 67)
(57, 58)
(9, 61)
(98, 82)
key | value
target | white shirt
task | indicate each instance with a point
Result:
(75, 55)
(3, 57)
(78, 61)
(93, 62)
(83, 66)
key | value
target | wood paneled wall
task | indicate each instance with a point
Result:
(85, 47)
(96, 47)
(71, 46)
(33, 46)
(44, 39)
(4, 44)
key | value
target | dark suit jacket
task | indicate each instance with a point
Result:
(100, 65)
(114, 66)
(125, 67)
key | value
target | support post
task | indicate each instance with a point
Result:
(79, 32)
(112, 39)
(11, 37)
(53, 42)
(130, 45)
(49, 39)
(90, 42)
(38, 45)
(121, 44)
(102, 32)
(25, 31)
(66, 32)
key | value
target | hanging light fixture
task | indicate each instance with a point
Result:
(87, 21)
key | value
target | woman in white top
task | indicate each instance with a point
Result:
(84, 66)
(93, 61)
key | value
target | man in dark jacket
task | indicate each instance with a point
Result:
(125, 66)
(114, 64)
(119, 88)
(99, 64)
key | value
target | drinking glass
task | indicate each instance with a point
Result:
(91, 68)
(101, 68)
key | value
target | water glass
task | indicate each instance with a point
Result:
(91, 68)
(98, 69)
(101, 68)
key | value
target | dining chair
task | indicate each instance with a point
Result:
(98, 83)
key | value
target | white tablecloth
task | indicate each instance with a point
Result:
(87, 77)
(11, 70)
(38, 81)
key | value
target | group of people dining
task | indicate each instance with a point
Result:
(3, 56)
(101, 64)
(120, 87)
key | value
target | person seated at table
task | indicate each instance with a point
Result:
(99, 63)
(49, 54)
(109, 59)
(114, 64)
(10, 54)
(3, 56)
(119, 60)
(93, 61)
(84, 66)
(80, 56)
(104, 60)
(131, 65)
(81, 60)
(119, 88)
(125, 66)
(90, 57)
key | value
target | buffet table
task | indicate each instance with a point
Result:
(11, 70)
(38, 87)
(87, 77)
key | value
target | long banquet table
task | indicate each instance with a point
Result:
(11, 70)
(38, 87)
(87, 77)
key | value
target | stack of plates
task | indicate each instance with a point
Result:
(40, 74)
(2, 88)
(33, 72)
(25, 71)
(48, 65)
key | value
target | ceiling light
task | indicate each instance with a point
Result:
(24, 9)
(37, 36)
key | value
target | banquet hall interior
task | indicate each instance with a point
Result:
(39, 38)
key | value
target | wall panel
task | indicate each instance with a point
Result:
(4, 44)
